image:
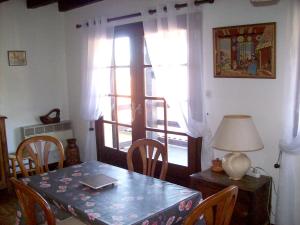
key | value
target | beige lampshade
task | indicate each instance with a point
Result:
(237, 133)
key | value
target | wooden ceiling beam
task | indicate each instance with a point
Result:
(65, 5)
(31, 4)
(3, 0)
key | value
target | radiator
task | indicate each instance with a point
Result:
(61, 131)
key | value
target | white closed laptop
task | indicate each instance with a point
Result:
(97, 181)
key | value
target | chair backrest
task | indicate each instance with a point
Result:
(38, 149)
(28, 199)
(150, 150)
(216, 209)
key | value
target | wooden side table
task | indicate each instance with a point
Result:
(253, 204)
(12, 165)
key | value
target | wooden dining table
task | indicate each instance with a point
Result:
(134, 199)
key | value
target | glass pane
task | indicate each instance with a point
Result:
(108, 113)
(150, 83)
(159, 136)
(122, 51)
(154, 114)
(125, 138)
(174, 41)
(123, 81)
(177, 149)
(177, 146)
(110, 135)
(166, 82)
(146, 55)
(124, 110)
(174, 88)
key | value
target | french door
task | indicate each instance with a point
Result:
(135, 110)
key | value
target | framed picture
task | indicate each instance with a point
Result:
(17, 58)
(245, 51)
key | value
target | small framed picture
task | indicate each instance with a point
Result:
(17, 58)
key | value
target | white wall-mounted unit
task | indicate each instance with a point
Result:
(61, 131)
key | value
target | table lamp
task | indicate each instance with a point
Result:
(237, 134)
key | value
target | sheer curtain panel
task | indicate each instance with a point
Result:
(97, 59)
(288, 201)
(174, 44)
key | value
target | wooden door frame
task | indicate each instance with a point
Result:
(176, 173)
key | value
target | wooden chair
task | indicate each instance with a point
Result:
(216, 209)
(29, 198)
(149, 148)
(38, 152)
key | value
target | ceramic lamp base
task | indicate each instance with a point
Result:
(236, 165)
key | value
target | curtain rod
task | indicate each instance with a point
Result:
(151, 11)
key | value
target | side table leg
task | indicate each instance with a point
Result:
(13, 164)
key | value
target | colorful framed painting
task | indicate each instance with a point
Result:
(245, 51)
(17, 58)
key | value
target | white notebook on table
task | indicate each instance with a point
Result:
(97, 181)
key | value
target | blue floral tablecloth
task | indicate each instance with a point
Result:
(135, 199)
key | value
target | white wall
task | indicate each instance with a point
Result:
(26, 92)
(261, 98)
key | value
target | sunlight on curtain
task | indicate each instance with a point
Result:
(170, 69)
(174, 46)
(288, 201)
(97, 58)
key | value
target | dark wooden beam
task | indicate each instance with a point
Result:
(3, 0)
(31, 4)
(65, 5)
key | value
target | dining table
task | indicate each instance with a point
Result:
(134, 198)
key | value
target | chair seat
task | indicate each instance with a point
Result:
(70, 221)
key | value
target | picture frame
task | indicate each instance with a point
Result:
(245, 51)
(16, 58)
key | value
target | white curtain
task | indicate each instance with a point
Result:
(97, 59)
(288, 201)
(174, 44)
